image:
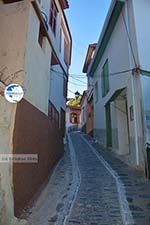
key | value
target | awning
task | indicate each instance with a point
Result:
(115, 95)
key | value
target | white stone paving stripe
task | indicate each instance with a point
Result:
(76, 177)
(124, 206)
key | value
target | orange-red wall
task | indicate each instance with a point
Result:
(33, 134)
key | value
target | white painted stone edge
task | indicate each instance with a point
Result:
(124, 206)
(76, 174)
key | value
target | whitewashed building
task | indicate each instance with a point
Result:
(121, 89)
(35, 52)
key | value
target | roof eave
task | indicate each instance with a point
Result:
(64, 4)
(85, 67)
(109, 25)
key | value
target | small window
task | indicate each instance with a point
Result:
(53, 16)
(96, 92)
(105, 79)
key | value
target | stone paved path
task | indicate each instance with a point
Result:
(97, 200)
(86, 190)
(136, 186)
(54, 202)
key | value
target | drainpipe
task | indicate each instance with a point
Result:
(135, 73)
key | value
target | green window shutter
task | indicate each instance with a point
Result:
(105, 79)
(108, 125)
(103, 84)
(96, 92)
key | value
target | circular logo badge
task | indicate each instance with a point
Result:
(13, 93)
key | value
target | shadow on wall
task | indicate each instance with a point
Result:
(33, 134)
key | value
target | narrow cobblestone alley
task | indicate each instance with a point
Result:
(84, 189)
(97, 200)
(74, 112)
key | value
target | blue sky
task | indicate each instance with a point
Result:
(86, 21)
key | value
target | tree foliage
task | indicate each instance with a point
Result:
(75, 102)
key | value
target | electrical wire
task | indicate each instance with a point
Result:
(57, 72)
(71, 91)
(121, 72)
(129, 39)
(110, 74)
(83, 83)
(78, 76)
(62, 75)
(79, 80)
(80, 85)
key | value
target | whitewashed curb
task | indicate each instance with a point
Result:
(124, 206)
(76, 177)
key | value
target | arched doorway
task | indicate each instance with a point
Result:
(74, 118)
